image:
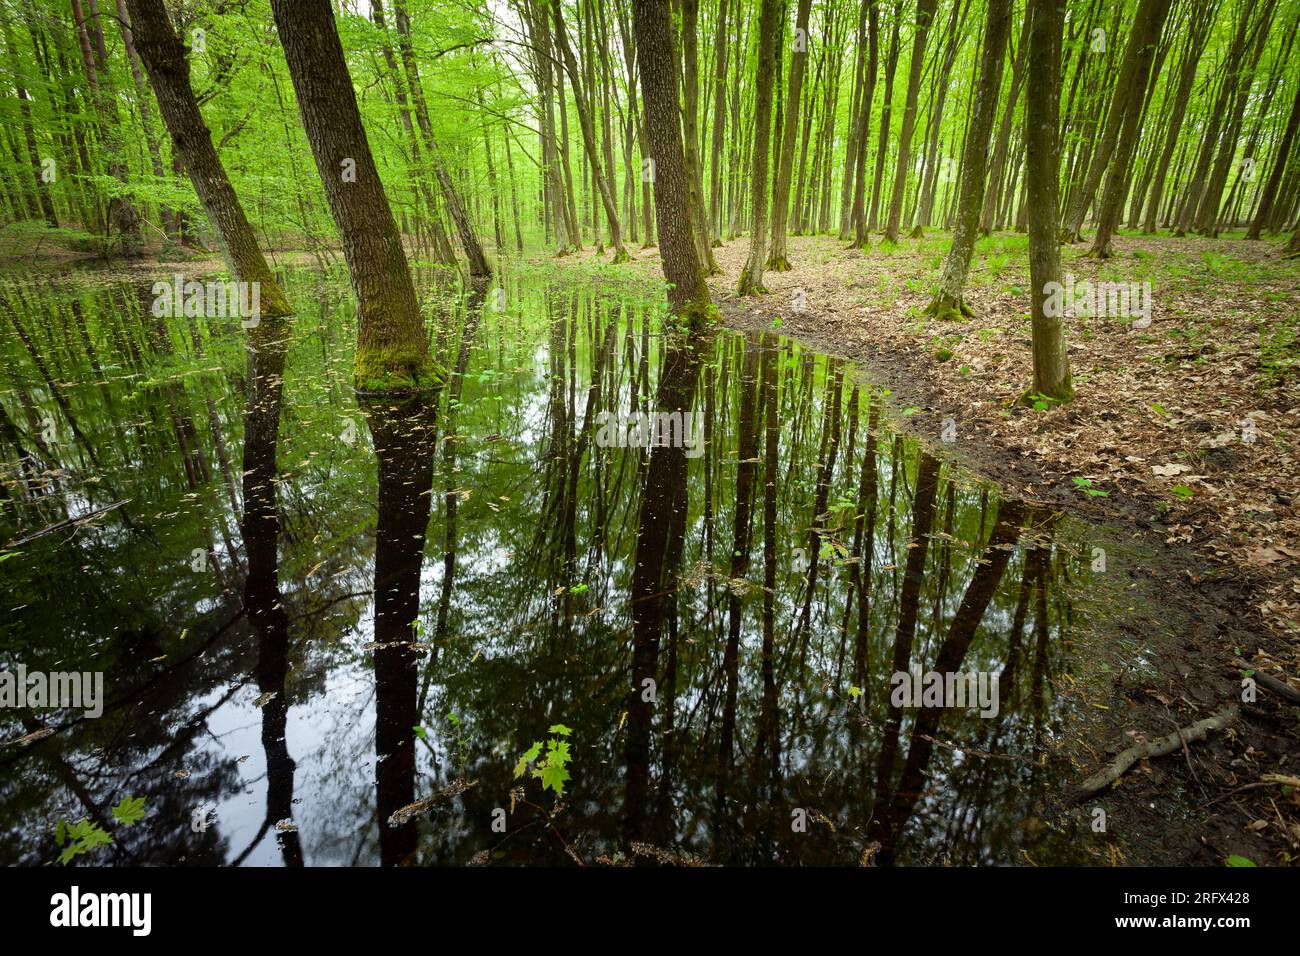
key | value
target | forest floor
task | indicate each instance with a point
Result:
(1183, 435)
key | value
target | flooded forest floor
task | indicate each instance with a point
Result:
(1182, 437)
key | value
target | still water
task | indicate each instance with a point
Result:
(330, 629)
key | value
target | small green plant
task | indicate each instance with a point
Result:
(552, 767)
(1085, 485)
(83, 836)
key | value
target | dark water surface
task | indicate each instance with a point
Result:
(281, 584)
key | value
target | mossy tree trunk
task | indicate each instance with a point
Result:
(392, 345)
(948, 302)
(164, 58)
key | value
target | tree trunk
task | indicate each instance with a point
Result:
(1275, 176)
(1149, 23)
(778, 261)
(948, 302)
(751, 277)
(589, 138)
(1042, 172)
(168, 67)
(688, 296)
(392, 346)
(924, 16)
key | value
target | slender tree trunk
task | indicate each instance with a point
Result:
(948, 301)
(478, 264)
(778, 261)
(589, 138)
(751, 277)
(1269, 195)
(1043, 158)
(1149, 23)
(924, 16)
(719, 126)
(691, 128)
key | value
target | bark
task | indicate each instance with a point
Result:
(751, 277)
(778, 261)
(948, 301)
(1042, 173)
(1269, 195)
(392, 346)
(688, 296)
(165, 61)
(924, 16)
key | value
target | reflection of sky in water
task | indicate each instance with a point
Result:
(513, 662)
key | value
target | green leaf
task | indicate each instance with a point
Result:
(552, 777)
(558, 752)
(560, 729)
(420, 732)
(1235, 860)
(531, 754)
(129, 811)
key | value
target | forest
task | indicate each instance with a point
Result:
(662, 433)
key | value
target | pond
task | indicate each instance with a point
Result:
(330, 630)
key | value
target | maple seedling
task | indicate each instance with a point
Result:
(551, 767)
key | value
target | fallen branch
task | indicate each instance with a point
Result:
(1154, 748)
(1281, 688)
(66, 523)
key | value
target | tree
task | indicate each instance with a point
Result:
(1266, 201)
(924, 16)
(751, 277)
(778, 261)
(688, 295)
(165, 61)
(1042, 171)
(948, 301)
(1148, 24)
(589, 137)
(392, 346)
